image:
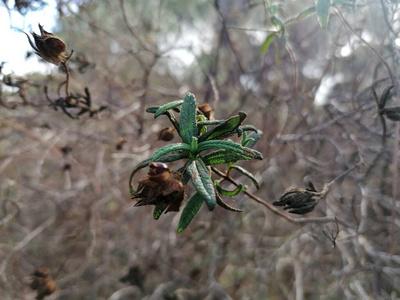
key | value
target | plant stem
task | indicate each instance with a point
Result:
(281, 214)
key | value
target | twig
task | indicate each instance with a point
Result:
(65, 64)
(392, 76)
(25, 241)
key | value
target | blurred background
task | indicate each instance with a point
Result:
(325, 98)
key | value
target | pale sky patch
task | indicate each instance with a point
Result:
(15, 44)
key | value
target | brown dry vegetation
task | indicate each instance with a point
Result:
(65, 202)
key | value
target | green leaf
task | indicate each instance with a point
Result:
(252, 139)
(223, 204)
(174, 156)
(226, 128)
(267, 42)
(278, 23)
(168, 113)
(159, 209)
(166, 107)
(248, 128)
(231, 146)
(224, 192)
(225, 157)
(190, 210)
(302, 16)
(202, 181)
(152, 109)
(322, 9)
(351, 4)
(193, 145)
(168, 149)
(247, 174)
(208, 122)
(188, 128)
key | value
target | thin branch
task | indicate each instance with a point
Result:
(392, 76)
(319, 220)
(25, 241)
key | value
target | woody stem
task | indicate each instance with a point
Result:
(270, 207)
(65, 64)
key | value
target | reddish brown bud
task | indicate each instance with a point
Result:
(166, 134)
(207, 111)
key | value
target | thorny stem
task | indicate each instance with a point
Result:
(283, 215)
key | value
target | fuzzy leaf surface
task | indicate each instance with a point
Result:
(187, 125)
(170, 149)
(231, 146)
(226, 128)
(323, 12)
(190, 210)
(202, 182)
(166, 107)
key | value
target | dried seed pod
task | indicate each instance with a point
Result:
(385, 96)
(42, 283)
(207, 111)
(49, 47)
(161, 187)
(166, 134)
(299, 201)
(392, 113)
(122, 141)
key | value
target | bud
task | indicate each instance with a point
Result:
(299, 201)
(207, 111)
(49, 47)
(166, 134)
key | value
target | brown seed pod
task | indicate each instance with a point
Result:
(122, 141)
(162, 187)
(49, 47)
(166, 134)
(299, 201)
(207, 111)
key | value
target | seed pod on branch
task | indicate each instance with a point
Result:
(161, 187)
(49, 47)
(299, 201)
(166, 134)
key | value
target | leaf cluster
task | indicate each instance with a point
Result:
(203, 145)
